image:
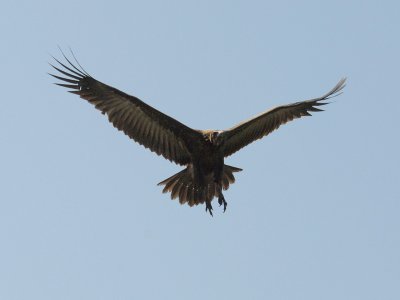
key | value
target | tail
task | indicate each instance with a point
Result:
(181, 185)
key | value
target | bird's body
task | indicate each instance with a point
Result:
(206, 176)
(202, 152)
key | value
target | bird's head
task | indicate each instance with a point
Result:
(213, 136)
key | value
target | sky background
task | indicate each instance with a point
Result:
(314, 214)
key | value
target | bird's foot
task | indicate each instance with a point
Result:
(209, 208)
(221, 200)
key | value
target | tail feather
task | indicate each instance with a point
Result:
(183, 193)
(171, 181)
(176, 189)
(190, 194)
(225, 182)
(181, 186)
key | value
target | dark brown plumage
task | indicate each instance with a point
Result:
(201, 151)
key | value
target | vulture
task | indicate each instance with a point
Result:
(200, 152)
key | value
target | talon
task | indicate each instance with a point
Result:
(221, 200)
(209, 208)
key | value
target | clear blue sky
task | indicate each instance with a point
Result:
(314, 214)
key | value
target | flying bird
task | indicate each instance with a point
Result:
(201, 152)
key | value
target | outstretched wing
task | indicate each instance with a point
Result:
(248, 131)
(141, 122)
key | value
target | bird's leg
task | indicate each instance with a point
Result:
(221, 198)
(209, 207)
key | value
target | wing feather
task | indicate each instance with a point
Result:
(141, 122)
(256, 128)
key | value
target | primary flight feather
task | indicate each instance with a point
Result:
(201, 151)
